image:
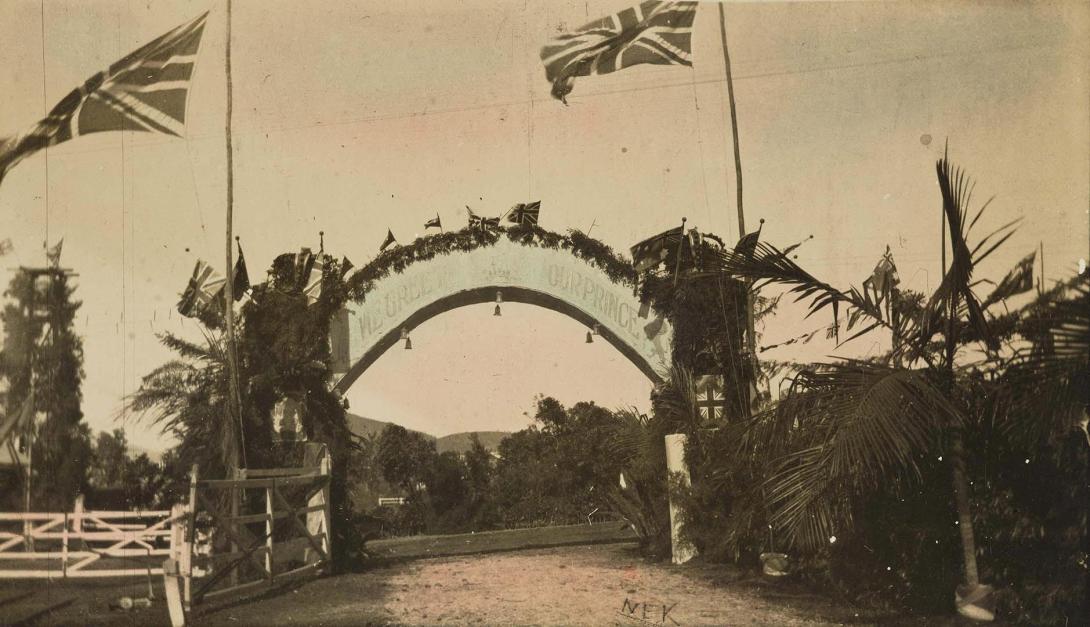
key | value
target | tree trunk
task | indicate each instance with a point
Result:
(962, 503)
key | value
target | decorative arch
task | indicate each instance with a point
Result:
(572, 275)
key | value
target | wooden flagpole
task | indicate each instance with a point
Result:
(239, 453)
(751, 339)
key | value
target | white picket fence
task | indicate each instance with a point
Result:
(79, 543)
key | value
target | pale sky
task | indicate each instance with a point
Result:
(352, 117)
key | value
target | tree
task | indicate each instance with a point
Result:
(405, 458)
(43, 353)
(865, 425)
(188, 398)
(109, 459)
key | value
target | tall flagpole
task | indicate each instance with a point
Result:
(750, 334)
(239, 453)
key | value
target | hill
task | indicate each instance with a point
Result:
(460, 442)
(457, 442)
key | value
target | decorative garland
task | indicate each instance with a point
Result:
(426, 248)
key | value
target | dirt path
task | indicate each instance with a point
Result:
(583, 585)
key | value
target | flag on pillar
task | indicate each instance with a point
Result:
(711, 397)
(145, 91)
(313, 287)
(747, 244)
(240, 281)
(205, 287)
(648, 254)
(654, 32)
(53, 255)
(304, 259)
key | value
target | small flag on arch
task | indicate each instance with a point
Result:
(346, 265)
(145, 91)
(525, 213)
(654, 32)
(388, 242)
(476, 221)
(649, 253)
(434, 223)
(205, 286)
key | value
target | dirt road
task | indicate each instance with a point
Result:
(582, 585)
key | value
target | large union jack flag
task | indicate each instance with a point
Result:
(654, 32)
(145, 91)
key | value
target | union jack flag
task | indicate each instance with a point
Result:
(204, 291)
(482, 223)
(525, 213)
(145, 91)
(711, 398)
(655, 32)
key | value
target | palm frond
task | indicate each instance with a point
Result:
(1046, 386)
(956, 285)
(860, 426)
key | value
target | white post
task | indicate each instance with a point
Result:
(683, 550)
(172, 566)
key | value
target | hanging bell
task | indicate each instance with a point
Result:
(499, 301)
(590, 340)
(408, 341)
(596, 329)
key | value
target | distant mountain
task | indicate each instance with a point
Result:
(460, 442)
(366, 426)
(457, 442)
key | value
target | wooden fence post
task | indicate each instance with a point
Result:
(269, 530)
(173, 566)
(318, 521)
(191, 537)
(236, 495)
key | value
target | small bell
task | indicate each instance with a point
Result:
(590, 340)
(499, 301)
(596, 329)
(408, 341)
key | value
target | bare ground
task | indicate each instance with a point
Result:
(582, 585)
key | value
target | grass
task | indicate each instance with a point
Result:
(416, 547)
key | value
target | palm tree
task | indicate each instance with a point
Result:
(188, 397)
(863, 423)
